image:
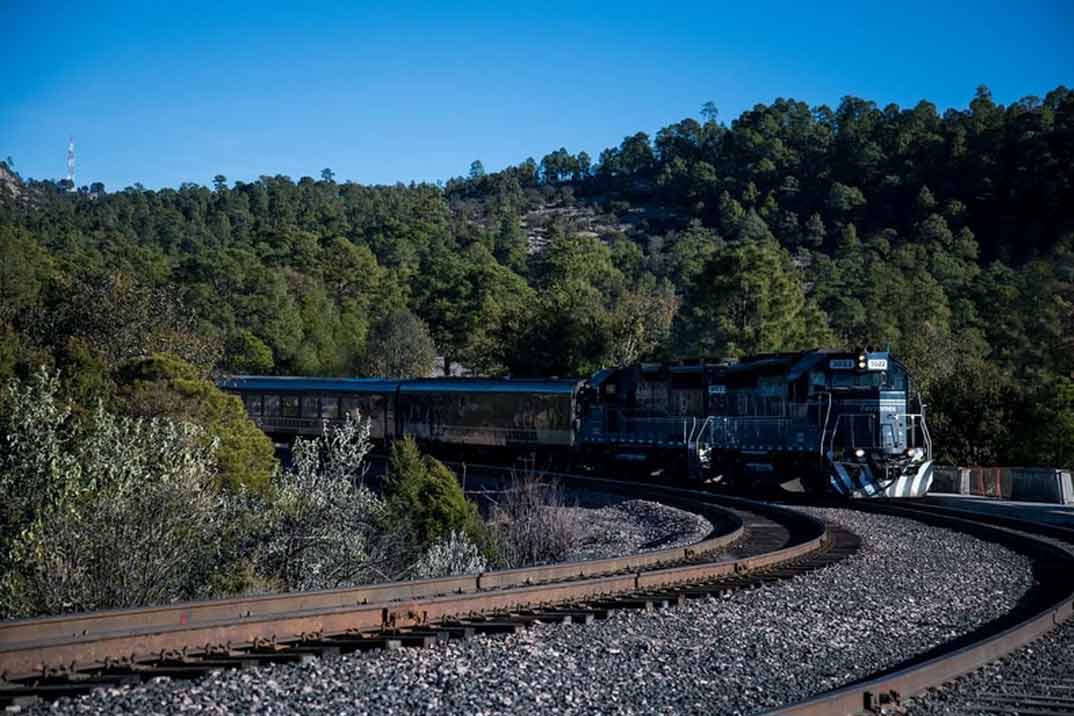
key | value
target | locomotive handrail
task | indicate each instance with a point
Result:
(925, 435)
(659, 424)
(697, 431)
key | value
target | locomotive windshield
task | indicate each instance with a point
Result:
(892, 379)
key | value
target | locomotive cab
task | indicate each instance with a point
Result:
(873, 442)
(830, 421)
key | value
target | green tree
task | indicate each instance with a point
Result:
(164, 386)
(248, 354)
(971, 412)
(400, 347)
(814, 231)
(710, 112)
(422, 492)
(639, 323)
(1048, 437)
(563, 332)
(750, 300)
(843, 199)
(924, 202)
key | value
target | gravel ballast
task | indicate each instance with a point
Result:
(1042, 668)
(635, 526)
(910, 588)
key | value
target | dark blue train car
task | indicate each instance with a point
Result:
(489, 413)
(284, 407)
(465, 413)
(828, 421)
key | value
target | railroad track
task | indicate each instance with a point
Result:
(73, 654)
(1049, 603)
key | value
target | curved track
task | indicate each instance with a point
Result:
(753, 543)
(1049, 603)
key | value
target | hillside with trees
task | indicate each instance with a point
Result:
(948, 237)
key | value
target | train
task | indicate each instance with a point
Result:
(824, 422)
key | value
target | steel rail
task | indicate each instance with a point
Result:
(181, 614)
(1055, 557)
(31, 648)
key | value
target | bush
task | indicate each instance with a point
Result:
(102, 512)
(422, 492)
(532, 523)
(323, 524)
(454, 555)
(162, 385)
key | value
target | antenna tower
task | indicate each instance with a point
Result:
(71, 161)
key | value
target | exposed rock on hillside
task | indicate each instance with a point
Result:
(10, 184)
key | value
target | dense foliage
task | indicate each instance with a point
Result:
(947, 237)
(161, 385)
(81, 493)
(321, 528)
(422, 493)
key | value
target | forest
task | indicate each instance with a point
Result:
(946, 237)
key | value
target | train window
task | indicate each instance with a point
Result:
(352, 407)
(253, 404)
(896, 379)
(310, 409)
(819, 380)
(272, 405)
(289, 406)
(844, 380)
(330, 407)
(873, 379)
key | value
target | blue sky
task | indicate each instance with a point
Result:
(164, 93)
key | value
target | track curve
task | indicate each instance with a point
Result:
(1052, 603)
(60, 655)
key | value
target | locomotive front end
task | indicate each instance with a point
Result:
(875, 447)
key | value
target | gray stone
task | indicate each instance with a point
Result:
(910, 588)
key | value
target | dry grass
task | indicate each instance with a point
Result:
(533, 523)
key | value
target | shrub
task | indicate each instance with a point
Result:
(102, 512)
(162, 385)
(532, 523)
(322, 524)
(453, 555)
(424, 492)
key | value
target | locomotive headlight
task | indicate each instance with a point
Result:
(862, 361)
(859, 453)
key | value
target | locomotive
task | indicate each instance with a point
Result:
(820, 421)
